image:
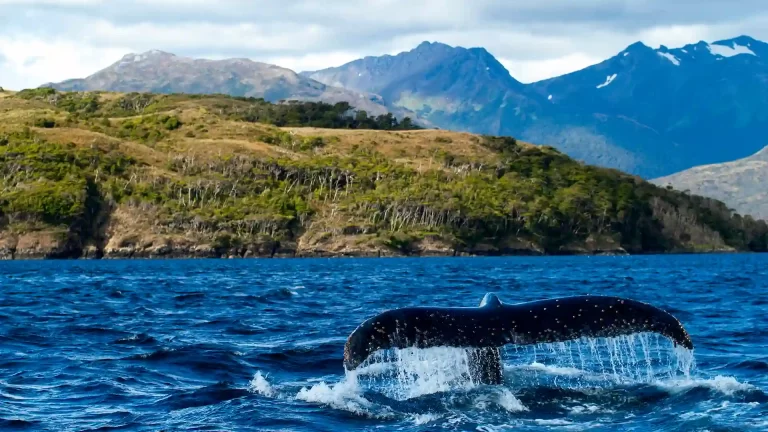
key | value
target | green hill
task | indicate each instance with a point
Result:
(141, 175)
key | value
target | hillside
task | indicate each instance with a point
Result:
(741, 184)
(137, 175)
(161, 72)
(650, 112)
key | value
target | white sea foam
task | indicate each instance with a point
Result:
(552, 422)
(588, 409)
(408, 373)
(503, 398)
(260, 385)
(420, 419)
(724, 384)
(510, 402)
(555, 370)
(497, 428)
(345, 395)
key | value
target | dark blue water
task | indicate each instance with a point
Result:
(257, 345)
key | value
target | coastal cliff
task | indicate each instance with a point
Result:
(108, 175)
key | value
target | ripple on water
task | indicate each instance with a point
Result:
(209, 395)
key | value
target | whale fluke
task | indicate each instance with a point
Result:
(494, 324)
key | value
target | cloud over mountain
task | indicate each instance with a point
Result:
(533, 40)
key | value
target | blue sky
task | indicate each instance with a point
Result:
(51, 40)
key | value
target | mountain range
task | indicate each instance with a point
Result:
(650, 112)
(162, 72)
(741, 184)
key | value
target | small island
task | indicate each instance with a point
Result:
(110, 175)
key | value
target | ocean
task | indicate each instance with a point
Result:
(240, 345)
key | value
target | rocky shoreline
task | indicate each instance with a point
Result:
(52, 245)
(61, 245)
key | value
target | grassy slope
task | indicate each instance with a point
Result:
(113, 174)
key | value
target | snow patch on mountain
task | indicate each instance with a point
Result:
(728, 51)
(609, 79)
(675, 61)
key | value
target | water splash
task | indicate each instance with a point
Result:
(723, 384)
(345, 395)
(260, 385)
(430, 386)
(408, 373)
(587, 362)
(510, 402)
(422, 419)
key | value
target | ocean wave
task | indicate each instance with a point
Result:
(201, 358)
(423, 419)
(725, 385)
(204, 396)
(260, 385)
(190, 296)
(503, 398)
(241, 329)
(552, 422)
(94, 330)
(588, 408)
(27, 336)
(271, 296)
(549, 369)
(753, 365)
(344, 395)
(139, 339)
(318, 357)
(18, 424)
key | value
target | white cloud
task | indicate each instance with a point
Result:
(32, 62)
(51, 40)
(528, 71)
(312, 62)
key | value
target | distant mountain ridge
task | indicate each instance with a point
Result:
(162, 72)
(741, 184)
(647, 111)
(454, 87)
(650, 112)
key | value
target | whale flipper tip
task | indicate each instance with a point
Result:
(490, 300)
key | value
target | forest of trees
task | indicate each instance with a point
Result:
(320, 115)
(340, 115)
(528, 192)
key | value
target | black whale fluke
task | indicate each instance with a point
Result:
(494, 324)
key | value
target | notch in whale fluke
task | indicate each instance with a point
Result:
(494, 324)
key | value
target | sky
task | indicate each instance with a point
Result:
(45, 41)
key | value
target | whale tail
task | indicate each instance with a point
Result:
(494, 324)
